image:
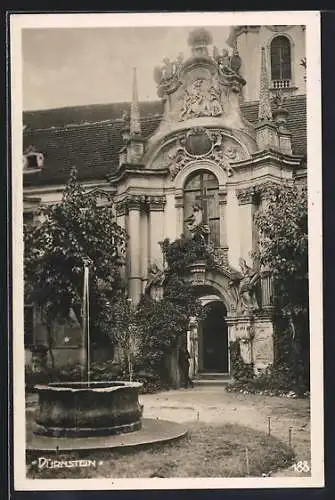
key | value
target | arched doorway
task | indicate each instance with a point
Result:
(213, 339)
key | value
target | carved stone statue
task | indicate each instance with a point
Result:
(235, 61)
(195, 224)
(156, 277)
(246, 289)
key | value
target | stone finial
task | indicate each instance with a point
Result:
(135, 121)
(198, 40)
(264, 109)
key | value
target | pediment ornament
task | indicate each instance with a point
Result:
(200, 143)
(202, 98)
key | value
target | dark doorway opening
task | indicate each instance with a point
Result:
(215, 339)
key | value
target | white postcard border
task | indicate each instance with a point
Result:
(313, 54)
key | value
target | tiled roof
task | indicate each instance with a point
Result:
(296, 121)
(89, 137)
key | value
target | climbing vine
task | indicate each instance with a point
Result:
(164, 323)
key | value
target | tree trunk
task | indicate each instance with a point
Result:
(130, 368)
(50, 343)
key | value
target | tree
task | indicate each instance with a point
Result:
(126, 332)
(56, 247)
(283, 226)
(164, 323)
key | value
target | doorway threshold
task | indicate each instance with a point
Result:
(212, 378)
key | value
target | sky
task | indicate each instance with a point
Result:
(81, 66)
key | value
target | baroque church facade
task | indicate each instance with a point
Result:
(229, 122)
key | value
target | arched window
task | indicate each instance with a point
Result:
(202, 187)
(281, 60)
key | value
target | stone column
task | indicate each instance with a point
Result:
(144, 246)
(246, 211)
(134, 229)
(266, 278)
(121, 218)
(223, 223)
(156, 223)
(179, 204)
(267, 289)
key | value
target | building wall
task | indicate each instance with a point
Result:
(249, 43)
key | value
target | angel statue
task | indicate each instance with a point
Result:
(195, 224)
(246, 289)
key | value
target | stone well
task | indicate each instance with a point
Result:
(80, 409)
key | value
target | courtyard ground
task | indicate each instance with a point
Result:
(213, 405)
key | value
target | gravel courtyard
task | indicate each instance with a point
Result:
(214, 405)
(211, 404)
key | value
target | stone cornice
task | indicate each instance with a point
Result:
(140, 202)
(275, 158)
(255, 193)
(134, 170)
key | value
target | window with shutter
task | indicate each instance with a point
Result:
(202, 187)
(281, 59)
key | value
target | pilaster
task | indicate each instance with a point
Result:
(134, 203)
(223, 219)
(179, 205)
(246, 198)
(156, 206)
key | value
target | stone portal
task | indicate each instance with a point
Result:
(213, 339)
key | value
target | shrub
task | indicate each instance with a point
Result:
(241, 371)
(105, 371)
(281, 378)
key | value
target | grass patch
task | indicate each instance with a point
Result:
(207, 451)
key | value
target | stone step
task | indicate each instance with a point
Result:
(212, 376)
(209, 382)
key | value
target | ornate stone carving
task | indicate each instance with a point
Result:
(214, 146)
(246, 196)
(263, 353)
(265, 190)
(202, 98)
(264, 109)
(135, 202)
(220, 157)
(121, 208)
(245, 287)
(167, 75)
(198, 142)
(219, 255)
(156, 278)
(156, 203)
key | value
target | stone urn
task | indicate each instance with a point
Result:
(81, 409)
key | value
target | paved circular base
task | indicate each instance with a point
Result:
(152, 432)
(40, 430)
